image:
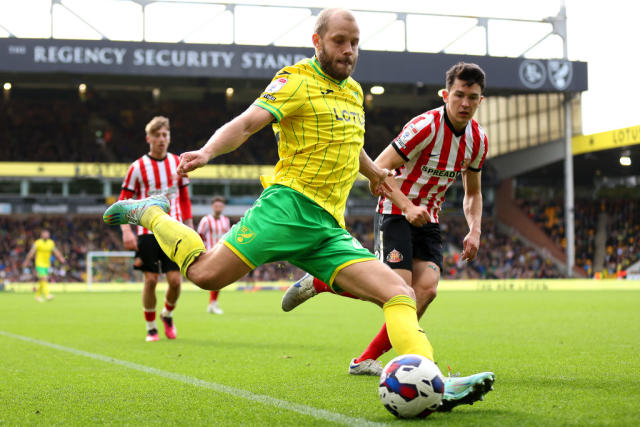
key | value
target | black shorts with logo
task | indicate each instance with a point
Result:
(397, 242)
(154, 260)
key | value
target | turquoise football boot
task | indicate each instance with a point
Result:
(466, 390)
(130, 211)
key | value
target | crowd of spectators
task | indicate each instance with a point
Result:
(59, 126)
(623, 232)
(74, 237)
(623, 224)
(500, 256)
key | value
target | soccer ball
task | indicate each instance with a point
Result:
(411, 386)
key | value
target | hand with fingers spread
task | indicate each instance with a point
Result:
(191, 160)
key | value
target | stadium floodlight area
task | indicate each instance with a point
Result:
(111, 267)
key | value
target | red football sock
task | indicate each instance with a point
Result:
(149, 316)
(379, 346)
(213, 296)
(168, 306)
(320, 287)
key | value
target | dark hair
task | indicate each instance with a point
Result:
(218, 199)
(468, 73)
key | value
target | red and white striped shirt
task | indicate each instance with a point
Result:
(148, 176)
(211, 229)
(435, 155)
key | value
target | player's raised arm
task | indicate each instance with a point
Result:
(226, 139)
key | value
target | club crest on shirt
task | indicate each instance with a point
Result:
(394, 256)
(244, 235)
(356, 243)
(276, 85)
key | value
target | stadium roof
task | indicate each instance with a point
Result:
(463, 27)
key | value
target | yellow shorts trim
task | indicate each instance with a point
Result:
(239, 254)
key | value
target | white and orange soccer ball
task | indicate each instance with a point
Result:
(411, 386)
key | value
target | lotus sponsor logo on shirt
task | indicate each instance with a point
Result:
(269, 97)
(276, 85)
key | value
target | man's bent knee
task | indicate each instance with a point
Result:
(401, 288)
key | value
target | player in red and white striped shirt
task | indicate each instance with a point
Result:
(211, 229)
(428, 155)
(154, 173)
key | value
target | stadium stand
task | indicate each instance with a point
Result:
(501, 256)
(109, 126)
(616, 220)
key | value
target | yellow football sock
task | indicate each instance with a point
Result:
(179, 242)
(39, 288)
(405, 334)
(44, 285)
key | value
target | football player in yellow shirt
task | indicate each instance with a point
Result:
(319, 125)
(42, 249)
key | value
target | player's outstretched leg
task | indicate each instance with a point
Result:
(305, 288)
(466, 390)
(181, 244)
(366, 367)
(130, 211)
(298, 293)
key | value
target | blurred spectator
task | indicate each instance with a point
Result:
(500, 256)
(56, 126)
(622, 231)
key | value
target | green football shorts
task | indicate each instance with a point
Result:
(284, 225)
(42, 271)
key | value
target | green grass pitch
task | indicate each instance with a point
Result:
(560, 357)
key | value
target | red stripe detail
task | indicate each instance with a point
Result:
(417, 138)
(476, 140)
(446, 148)
(462, 149)
(125, 194)
(156, 173)
(424, 192)
(486, 149)
(127, 180)
(167, 169)
(143, 175)
(210, 234)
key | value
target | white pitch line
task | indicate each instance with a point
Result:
(236, 392)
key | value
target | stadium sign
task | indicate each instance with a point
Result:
(261, 62)
(618, 138)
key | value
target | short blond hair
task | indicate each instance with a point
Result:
(324, 17)
(157, 123)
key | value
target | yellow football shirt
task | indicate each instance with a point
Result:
(43, 252)
(320, 132)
